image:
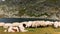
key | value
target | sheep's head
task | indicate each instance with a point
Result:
(24, 25)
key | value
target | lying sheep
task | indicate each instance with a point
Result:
(22, 29)
(19, 28)
(12, 29)
(2, 23)
(6, 25)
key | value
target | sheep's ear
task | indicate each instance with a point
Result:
(24, 25)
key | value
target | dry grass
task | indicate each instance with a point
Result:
(46, 30)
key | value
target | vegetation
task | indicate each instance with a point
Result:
(31, 8)
(44, 30)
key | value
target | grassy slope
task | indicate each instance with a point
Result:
(46, 30)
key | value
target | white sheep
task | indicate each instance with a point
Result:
(36, 24)
(25, 23)
(29, 23)
(59, 24)
(42, 23)
(45, 23)
(21, 28)
(49, 23)
(6, 25)
(56, 24)
(2, 23)
(13, 29)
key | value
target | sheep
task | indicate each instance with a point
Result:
(42, 23)
(56, 24)
(6, 25)
(59, 24)
(13, 29)
(29, 24)
(21, 28)
(16, 29)
(45, 23)
(2, 23)
(26, 24)
(49, 23)
(36, 24)
(15, 24)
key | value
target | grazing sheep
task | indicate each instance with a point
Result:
(15, 24)
(42, 23)
(45, 23)
(59, 24)
(56, 24)
(6, 25)
(49, 23)
(29, 24)
(36, 24)
(2, 23)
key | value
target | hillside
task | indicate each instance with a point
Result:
(30, 9)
